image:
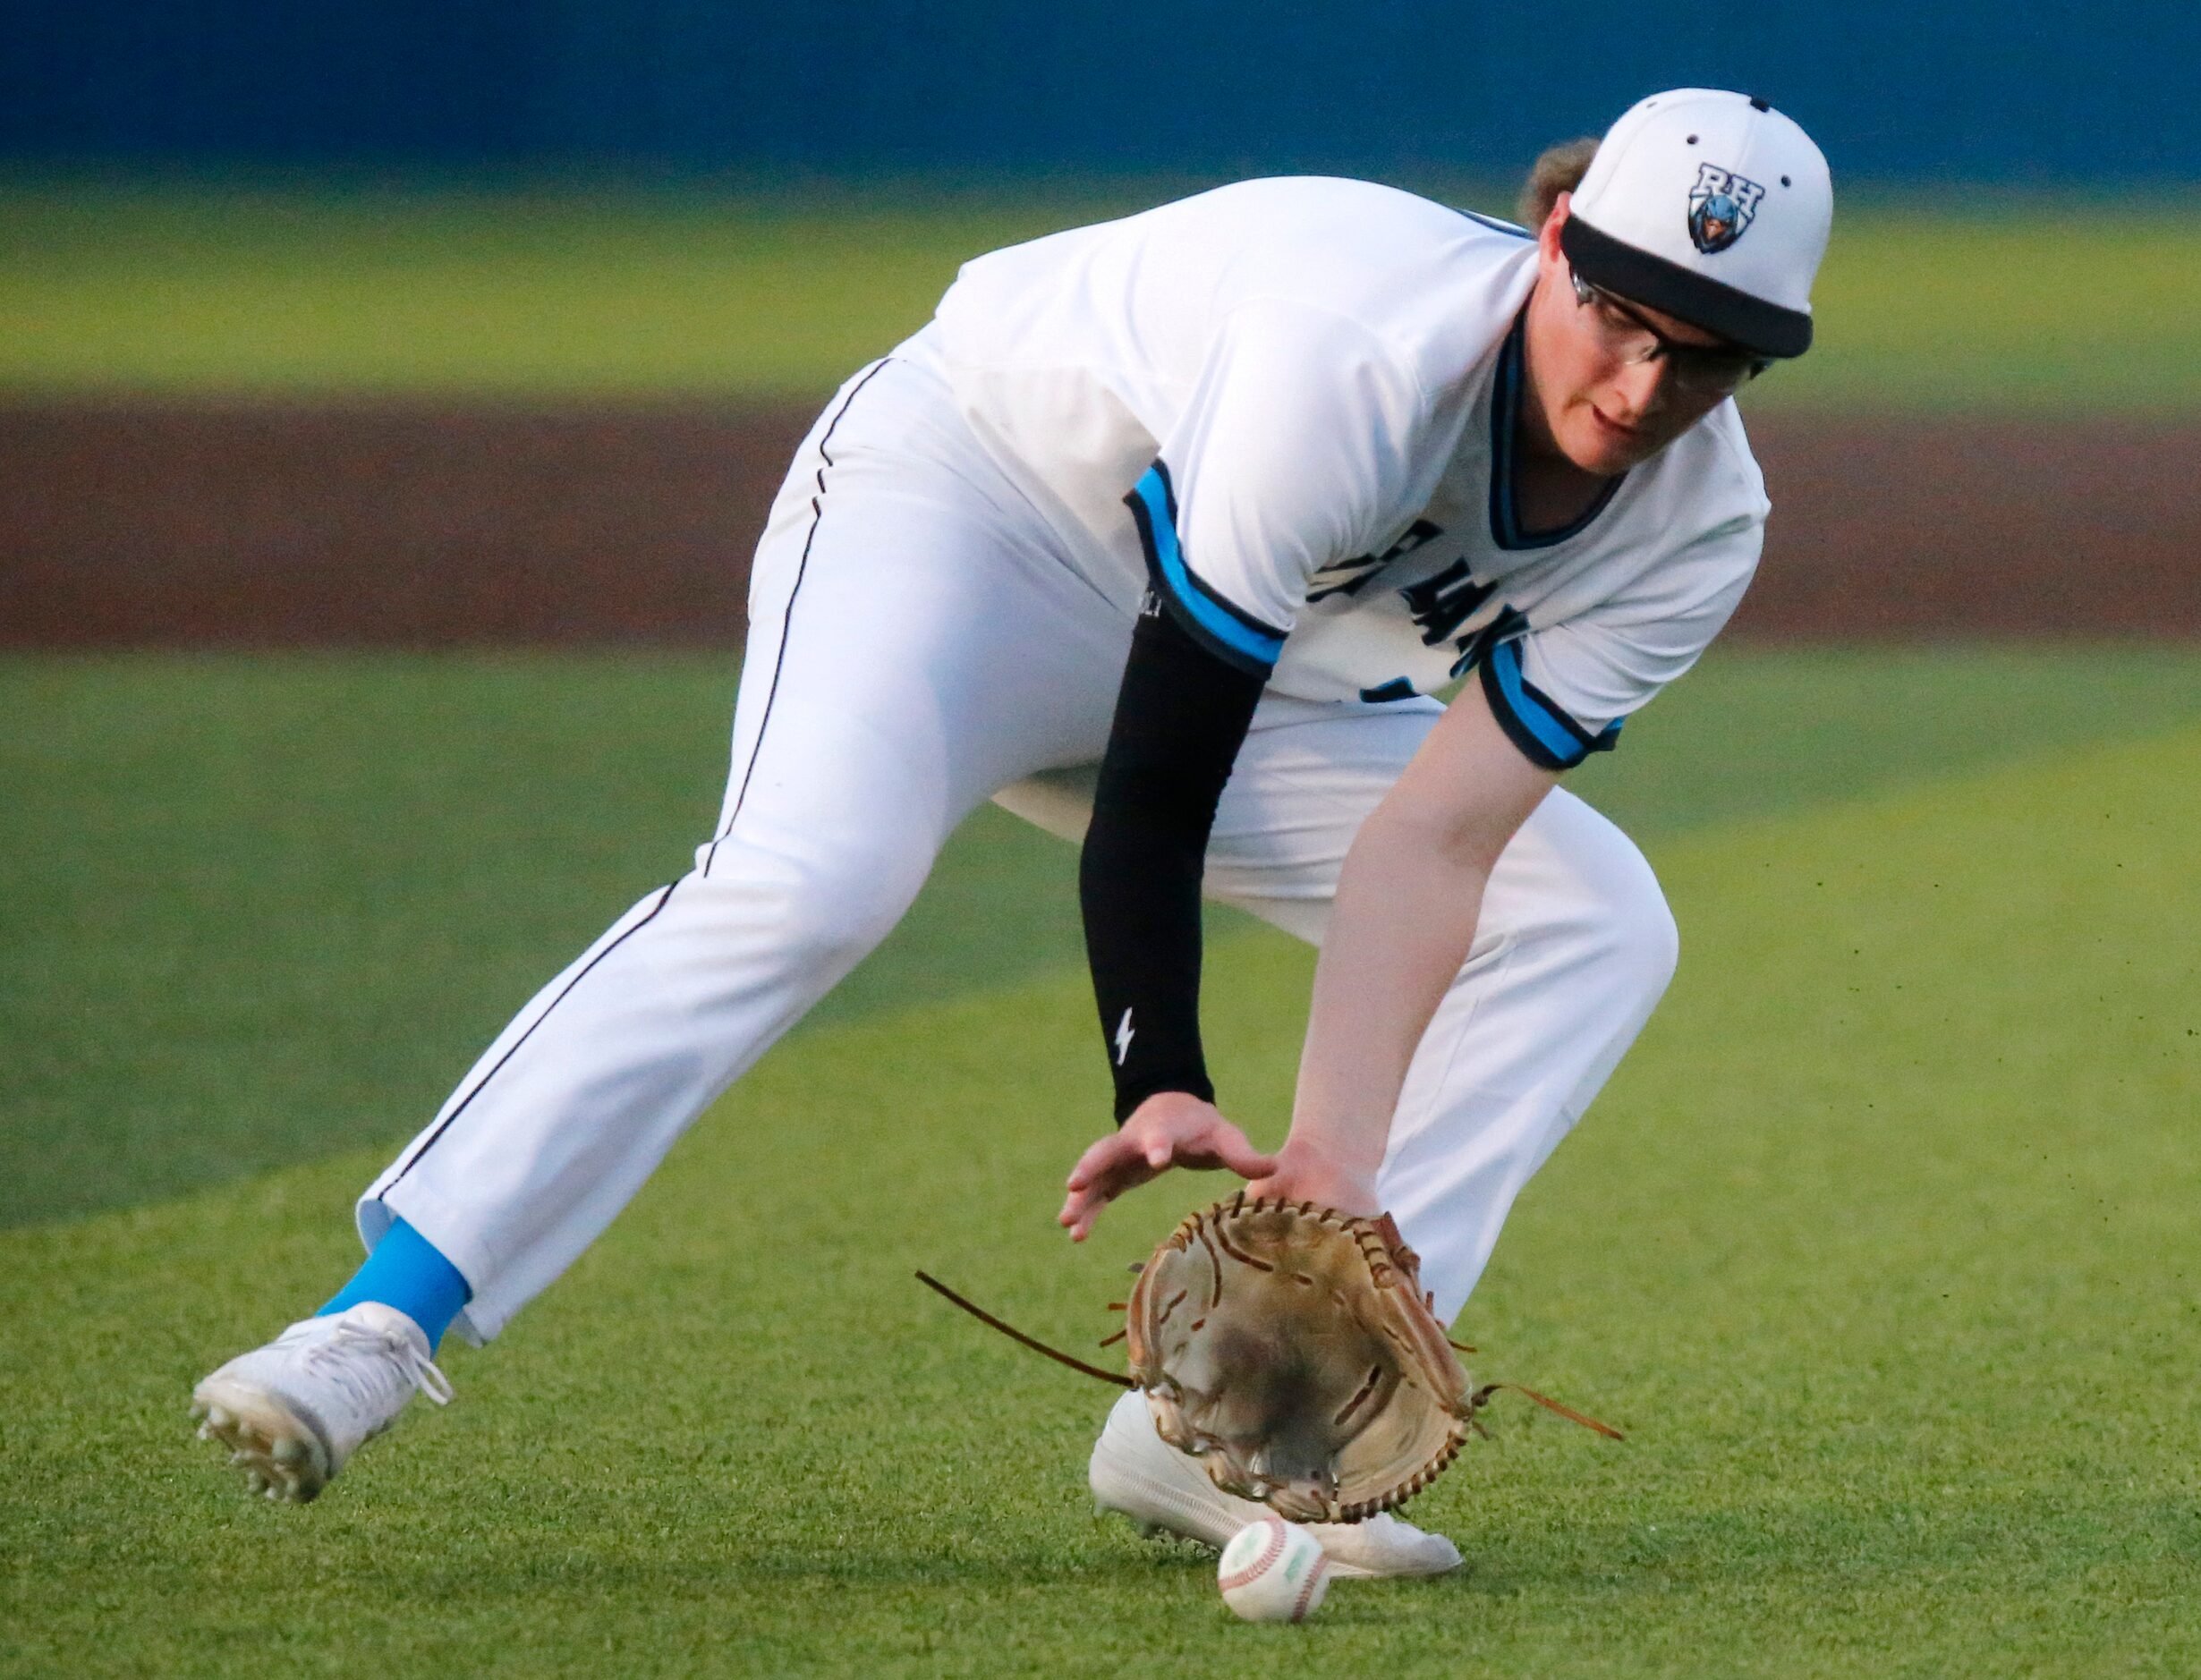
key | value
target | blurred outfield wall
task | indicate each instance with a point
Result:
(1919, 90)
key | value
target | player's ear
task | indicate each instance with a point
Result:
(1548, 235)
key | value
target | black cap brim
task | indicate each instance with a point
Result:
(1697, 299)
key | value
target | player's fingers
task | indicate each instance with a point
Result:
(1097, 1161)
(1098, 1181)
(1243, 1159)
(1236, 1152)
(1080, 1209)
(1082, 1226)
(1219, 1143)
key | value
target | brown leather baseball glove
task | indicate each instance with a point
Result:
(1291, 1349)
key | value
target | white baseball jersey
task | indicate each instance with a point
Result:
(1309, 387)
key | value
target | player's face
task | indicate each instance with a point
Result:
(1599, 401)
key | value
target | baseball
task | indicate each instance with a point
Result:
(1273, 1571)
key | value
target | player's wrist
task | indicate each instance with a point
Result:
(1167, 1093)
(1308, 1170)
(1174, 1103)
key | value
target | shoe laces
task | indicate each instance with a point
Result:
(364, 1380)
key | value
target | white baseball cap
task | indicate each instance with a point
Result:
(1710, 206)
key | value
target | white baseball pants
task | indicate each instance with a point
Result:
(922, 640)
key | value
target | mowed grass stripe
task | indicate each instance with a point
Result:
(268, 908)
(1876, 1247)
(2039, 302)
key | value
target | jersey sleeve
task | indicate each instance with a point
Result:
(1296, 447)
(1562, 691)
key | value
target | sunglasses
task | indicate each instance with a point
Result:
(1706, 369)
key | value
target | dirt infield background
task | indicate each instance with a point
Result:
(420, 526)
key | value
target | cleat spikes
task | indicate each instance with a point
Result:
(290, 1414)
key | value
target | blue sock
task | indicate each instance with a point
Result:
(408, 1272)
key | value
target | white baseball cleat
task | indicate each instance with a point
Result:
(1137, 1473)
(292, 1411)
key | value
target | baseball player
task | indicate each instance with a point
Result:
(1171, 535)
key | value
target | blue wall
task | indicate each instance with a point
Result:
(1896, 89)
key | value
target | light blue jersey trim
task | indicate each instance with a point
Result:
(1211, 615)
(1564, 741)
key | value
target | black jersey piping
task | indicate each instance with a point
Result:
(786, 618)
(1496, 224)
(1505, 420)
(460, 1107)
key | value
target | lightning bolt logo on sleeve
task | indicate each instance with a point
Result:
(1124, 1036)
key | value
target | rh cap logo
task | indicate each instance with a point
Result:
(1721, 205)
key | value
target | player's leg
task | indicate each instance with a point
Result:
(889, 687)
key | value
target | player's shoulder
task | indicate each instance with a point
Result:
(1710, 471)
(1438, 285)
(1343, 197)
(1347, 221)
(1736, 464)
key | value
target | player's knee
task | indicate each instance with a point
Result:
(1655, 943)
(825, 911)
(835, 919)
(1640, 940)
(1605, 907)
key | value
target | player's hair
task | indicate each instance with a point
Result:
(1559, 170)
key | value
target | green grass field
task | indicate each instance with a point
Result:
(2049, 304)
(1881, 1245)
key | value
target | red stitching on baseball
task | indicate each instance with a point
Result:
(1259, 1567)
(1315, 1577)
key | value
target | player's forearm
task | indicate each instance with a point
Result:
(1179, 721)
(1408, 900)
(1405, 913)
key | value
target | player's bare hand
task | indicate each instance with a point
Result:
(1173, 1129)
(1305, 1174)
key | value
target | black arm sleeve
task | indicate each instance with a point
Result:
(1180, 718)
